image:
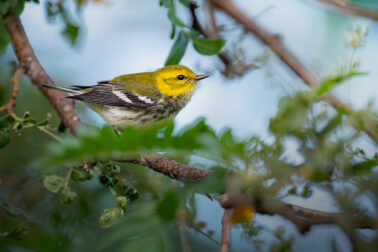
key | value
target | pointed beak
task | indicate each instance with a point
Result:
(200, 77)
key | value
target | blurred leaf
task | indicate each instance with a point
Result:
(17, 233)
(330, 83)
(207, 46)
(292, 191)
(132, 194)
(4, 137)
(79, 174)
(185, 2)
(167, 206)
(122, 202)
(177, 50)
(103, 144)
(110, 217)
(174, 19)
(5, 130)
(14, 211)
(66, 195)
(71, 31)
(53, 183)
(4, 38)
(307, 191)
(364, 167)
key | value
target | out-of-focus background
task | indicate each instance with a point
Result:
(124, 36)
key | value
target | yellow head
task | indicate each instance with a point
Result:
(176, 80)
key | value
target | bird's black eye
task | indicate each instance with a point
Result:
(180, 77)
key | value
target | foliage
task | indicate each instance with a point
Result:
(202, 45)
(95, 196)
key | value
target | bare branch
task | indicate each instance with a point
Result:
(349, 8)
(274, 41)
(38, 75)
(172, 169)
(226, 230)
(15, 82)
(303, 218)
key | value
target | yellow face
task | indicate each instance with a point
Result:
(176, 80)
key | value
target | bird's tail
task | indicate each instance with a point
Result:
(69, 90)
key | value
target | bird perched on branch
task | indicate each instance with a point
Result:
(140, 98)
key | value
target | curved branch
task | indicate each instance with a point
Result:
(350, 9)
(33, 69)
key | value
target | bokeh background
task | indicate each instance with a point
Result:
(125, 36)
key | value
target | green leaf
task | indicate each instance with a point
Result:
(17, 233)
(185, 2)
(66, 195)
(4, 137)
(53, 183)
(14, 211)
(174, 19)
(79, 174)
(292, 191)
(19, 7)
(167, 206)
(71, 32)
(332, 82)
(307, 192)
(207, 46)
(5, 130)
(110, 217)
(122, 202)
(364, 167)
(4, 38)
(132, 194)
(177, 50)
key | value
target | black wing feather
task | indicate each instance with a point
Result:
(103, 94)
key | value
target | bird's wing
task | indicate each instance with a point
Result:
(127, 94)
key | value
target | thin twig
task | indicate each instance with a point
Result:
(274, 41)
(44, 130)
(67, 178)
(15, 82)
(226, 230)
(38, 75)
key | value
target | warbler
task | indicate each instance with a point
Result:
(140, 98)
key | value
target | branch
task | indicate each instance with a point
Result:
(172, 169)
(15, 82)
(230, 67)
(303, 218)
(226, 230)
(32, 68)
(350, 9)
(274, 41)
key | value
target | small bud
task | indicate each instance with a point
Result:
(110, 217)
(122, 202)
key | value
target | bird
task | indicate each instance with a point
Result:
(138, 99)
